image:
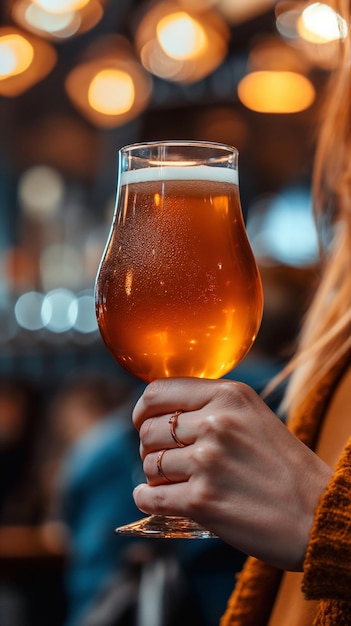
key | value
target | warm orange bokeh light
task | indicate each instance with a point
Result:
(276, 92)
(19, 267)
(56, 26)
(24, 60)
(61, 6)
(319, 23)
(16, 55)
(109, 87)
(38, 19)
(111, 92)
(181, 36)
(181, 45)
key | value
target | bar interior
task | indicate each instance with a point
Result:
(80, 79)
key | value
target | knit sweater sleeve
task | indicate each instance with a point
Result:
(327, 567)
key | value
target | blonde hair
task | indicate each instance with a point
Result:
(326, 332)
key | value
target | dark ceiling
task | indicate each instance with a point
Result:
(42, 126)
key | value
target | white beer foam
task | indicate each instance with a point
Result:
(181, 172)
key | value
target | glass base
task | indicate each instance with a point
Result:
(165, 527)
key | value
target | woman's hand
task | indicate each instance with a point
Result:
(241, 474)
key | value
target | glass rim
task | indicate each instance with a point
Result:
(191, 143)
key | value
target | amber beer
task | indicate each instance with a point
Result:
(178, 292)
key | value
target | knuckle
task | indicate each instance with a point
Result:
(145, 432)
(206, 463)
(233, 391)
(203, 457)
(149, 466)
(152, 392)
(215, 424)
(202, 493)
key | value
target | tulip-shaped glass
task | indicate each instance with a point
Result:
(178, 292)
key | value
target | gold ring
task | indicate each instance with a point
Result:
(159, 468)
(173, 421)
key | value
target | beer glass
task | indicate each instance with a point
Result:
(178, 292)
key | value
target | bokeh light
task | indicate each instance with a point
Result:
(41, 191)
(24, 60)
(181, 45)
(61, 6)
(18, 268)
(181, 36)
(85, 322)
(59, 310)
(109, 86)
(283, 228)
(61, 265)
(16, 55)
(56, 26)
(319, 23)
(237, 12)
(276, 92)
(111, 92)
(28, 310)
(63, 24)
(287, 14)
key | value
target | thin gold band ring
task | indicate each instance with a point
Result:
(173, 421)
(159, 466)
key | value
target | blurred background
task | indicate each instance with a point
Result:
(78, 80)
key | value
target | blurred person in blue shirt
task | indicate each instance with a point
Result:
(98, 469)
